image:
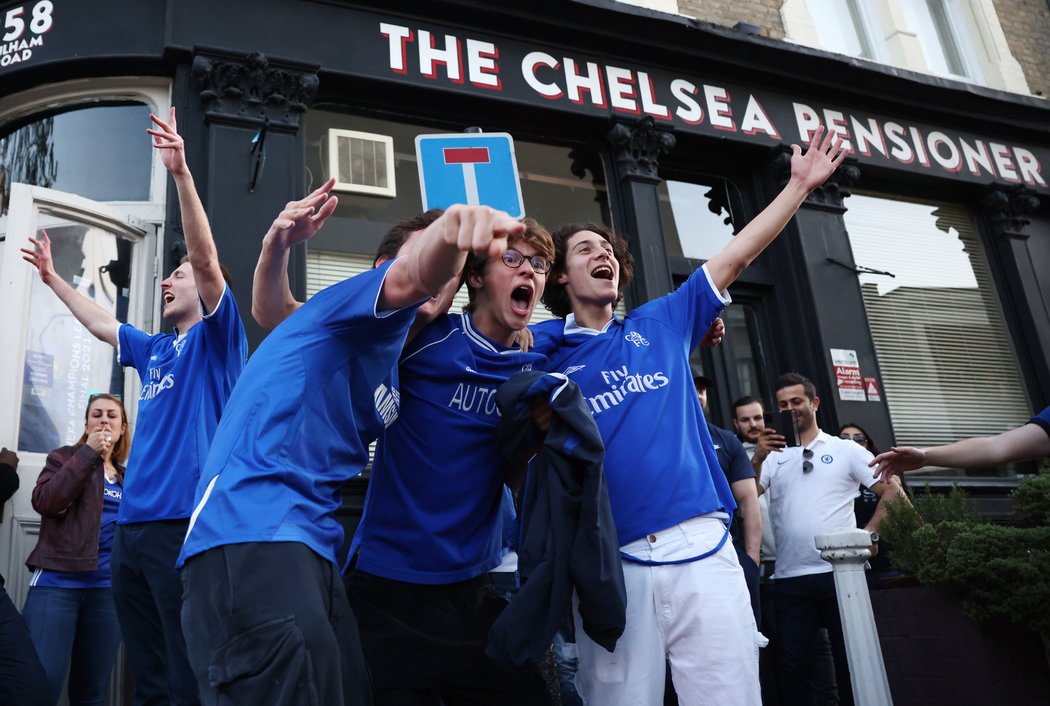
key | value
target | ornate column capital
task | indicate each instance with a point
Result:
(638, 146)
(253, 89)
(832, 193)
(1008, 208)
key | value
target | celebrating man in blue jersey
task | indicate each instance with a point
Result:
(430, 531)
(265, 615)
(686, 597)
(186, 380)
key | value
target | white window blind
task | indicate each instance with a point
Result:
(947, 361)
(326, 267)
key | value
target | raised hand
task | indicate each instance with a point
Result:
(897, 460)
(40, 258)
(819, 161)
(301, 219)
(166, 138)
(479, 229)
(100, 441)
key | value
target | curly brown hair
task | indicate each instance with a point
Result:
(555, 298)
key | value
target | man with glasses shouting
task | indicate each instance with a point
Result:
(811, 490)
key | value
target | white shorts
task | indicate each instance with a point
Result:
(697, 615)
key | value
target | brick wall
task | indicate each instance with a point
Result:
(1026, 24)
(764, 13)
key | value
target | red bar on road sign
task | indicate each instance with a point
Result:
(466, 155)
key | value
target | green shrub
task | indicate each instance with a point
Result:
(996, 571)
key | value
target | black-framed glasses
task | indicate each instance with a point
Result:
(513, 259)
(807, 465)
(859, 438)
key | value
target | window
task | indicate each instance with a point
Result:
(846, 27)
(99, 152)
(948, 367)
(943, 36)
(696, 217)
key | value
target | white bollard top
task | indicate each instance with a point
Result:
(844, 538)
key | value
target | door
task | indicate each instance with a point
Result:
(49, 363)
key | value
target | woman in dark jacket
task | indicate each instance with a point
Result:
(69, 610)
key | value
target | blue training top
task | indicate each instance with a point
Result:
(660, 464)
(433, 506)
(314, 395)
(99, 578)
(186, 380)
(1042, 419)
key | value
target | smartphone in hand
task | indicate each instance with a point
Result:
(786, 423)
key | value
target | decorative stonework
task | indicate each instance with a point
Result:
(252, 88)
(829, 195)
(638, 147)
(1008, 208)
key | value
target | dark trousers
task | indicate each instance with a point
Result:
(22, 679)
(750, 569)
(425, 645)
(148, 595)
(269, 623)
(74, 630)
(803, 605)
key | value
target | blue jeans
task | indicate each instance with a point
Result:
(74, 629)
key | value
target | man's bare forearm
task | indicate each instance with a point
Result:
(272, 300)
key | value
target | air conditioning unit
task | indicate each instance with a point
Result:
(362, 162)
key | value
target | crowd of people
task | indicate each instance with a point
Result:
(217, 556)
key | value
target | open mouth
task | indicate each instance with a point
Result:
(521, 300)
(602, 272)
(168, 298)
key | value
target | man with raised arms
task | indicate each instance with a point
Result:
(430, 531)
(265, 613)
(686, 597)
(186, 379)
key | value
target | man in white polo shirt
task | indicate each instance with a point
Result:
(811, 490)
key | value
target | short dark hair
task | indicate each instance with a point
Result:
(397, 235)
(746, 400)
(222, 268)
(554, 296)
(535, 234)
(792, 379)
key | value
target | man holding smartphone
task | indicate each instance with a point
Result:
(811, 489)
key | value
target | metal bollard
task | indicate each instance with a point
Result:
(847, 549)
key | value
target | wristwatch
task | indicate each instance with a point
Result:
(874, 537)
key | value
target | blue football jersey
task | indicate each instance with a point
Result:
(432, 514)
(314, 395)
(660, 464)
(186, 381)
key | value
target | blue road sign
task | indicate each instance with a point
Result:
(469, 168)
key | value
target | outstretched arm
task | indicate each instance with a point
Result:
(94, 318)
(438, 253)
(272, 300)
(808, 171)
(200, 246)
(1028, 441)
